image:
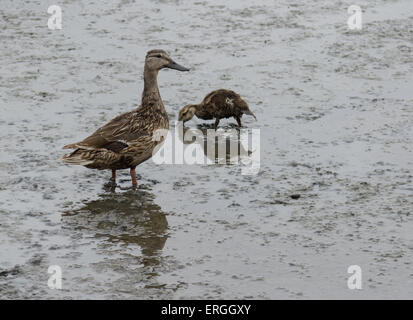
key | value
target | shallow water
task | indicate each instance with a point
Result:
(334, 110)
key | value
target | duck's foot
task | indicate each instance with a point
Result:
(112, 182)
(111, 185)
(133, 176)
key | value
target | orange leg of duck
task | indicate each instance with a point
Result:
(114, 174)
(133, 176)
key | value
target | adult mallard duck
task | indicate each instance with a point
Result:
(217, 104)
(126, 141)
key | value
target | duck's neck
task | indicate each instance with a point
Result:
(150, 78)
(150, 95)
(198, 108)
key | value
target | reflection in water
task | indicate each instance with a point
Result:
(130, 218)
(226, 145)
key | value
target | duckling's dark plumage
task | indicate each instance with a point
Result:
(217, 105)
(127, 140)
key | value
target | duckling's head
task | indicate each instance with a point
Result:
(159, 59)
(187, 112)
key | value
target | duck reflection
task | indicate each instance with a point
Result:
(221, 146)
(128, 218)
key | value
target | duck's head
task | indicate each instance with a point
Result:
(187, 112)
(159, 59)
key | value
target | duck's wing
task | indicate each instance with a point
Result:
(114, 135)
(220, 101)
(214, 102)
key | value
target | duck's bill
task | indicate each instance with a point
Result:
(174, 65)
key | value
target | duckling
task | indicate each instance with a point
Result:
(126, 141)
(217, 104)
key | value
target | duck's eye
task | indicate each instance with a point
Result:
(158, 56)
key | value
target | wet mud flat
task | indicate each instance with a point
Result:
(334, 109)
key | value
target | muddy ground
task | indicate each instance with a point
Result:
(334, 109)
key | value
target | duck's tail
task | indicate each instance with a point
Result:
(77, 157)
(92, 158)
(70, 146)
(249, 112)
(243, 105)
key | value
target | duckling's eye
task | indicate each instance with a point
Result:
(158, 56)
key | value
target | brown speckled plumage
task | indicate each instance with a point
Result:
(126, 141)
(217, 105)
